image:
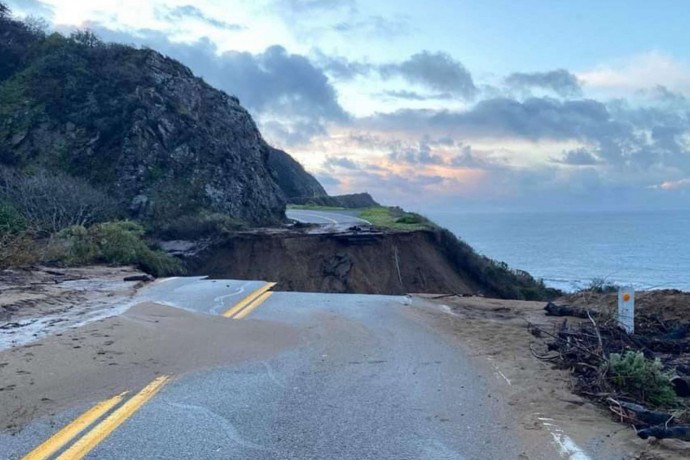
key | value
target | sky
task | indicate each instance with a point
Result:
(442, 105)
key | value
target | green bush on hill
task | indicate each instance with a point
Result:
(601, 286)
(497, 278)
(395, 218)
(117, 242)
(11, 221)
(196, 226)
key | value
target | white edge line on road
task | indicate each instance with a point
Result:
(567, 447)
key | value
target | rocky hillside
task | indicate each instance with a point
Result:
(291, 177)
(140, 127)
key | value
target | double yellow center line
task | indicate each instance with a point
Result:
(249, 303)
(101, 430)
(116, 412)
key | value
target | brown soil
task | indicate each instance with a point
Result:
(123, 353)
(669, 304)
(394, 263)
(496, 331)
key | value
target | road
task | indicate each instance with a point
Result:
(355, 377)
(339, 219)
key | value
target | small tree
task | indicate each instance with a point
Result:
(4, 10)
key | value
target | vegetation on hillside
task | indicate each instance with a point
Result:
(117, 243)
(397, 219)
(61, 220)
(497, 278)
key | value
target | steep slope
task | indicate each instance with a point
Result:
(291, 177)
(138, 125)
(392, 262)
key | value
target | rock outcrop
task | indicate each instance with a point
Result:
(140, 126)
(291, 177)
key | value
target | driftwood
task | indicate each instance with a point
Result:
(681, 432)
(563, 310)
(585, 347)
(638, 415)
(681, 386)
(145, 278)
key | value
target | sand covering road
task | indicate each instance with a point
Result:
(106, 357)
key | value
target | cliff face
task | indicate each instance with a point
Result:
(291, 177)
(431, 261)
(140, 126)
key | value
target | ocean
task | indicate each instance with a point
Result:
(648, 250)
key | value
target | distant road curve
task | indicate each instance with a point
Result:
(340, 218)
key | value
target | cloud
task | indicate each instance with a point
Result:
(437, 71)
(465, 158)
(342, 162)
(30, 8)
(338, 18)
(643, 71)
(340, 67)
(559, 81)
(674, 185)
(291, 98)
(293, 7)
(578, 157)
(415, 96)
(534, 118)
(420, 154)
(192, 12)
(375, 26)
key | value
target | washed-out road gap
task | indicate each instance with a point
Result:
(368, 378)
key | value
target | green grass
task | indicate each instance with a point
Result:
(396, 219)
(314, 207)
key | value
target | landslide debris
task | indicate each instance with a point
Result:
(643, 378)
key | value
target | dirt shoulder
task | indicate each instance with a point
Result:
(495, 331)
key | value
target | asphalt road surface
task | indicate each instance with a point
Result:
(368, 379)
(329, 218)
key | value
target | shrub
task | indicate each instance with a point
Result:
(641, 378)
(17, 249)
(198, 226)
(53, 201)
(411, 218)
(601, 286)
(11, 222)
(497, 278)
(117, 242)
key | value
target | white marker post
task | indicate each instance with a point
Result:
(626, 308)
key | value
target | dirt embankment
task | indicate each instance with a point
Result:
(365, 262)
